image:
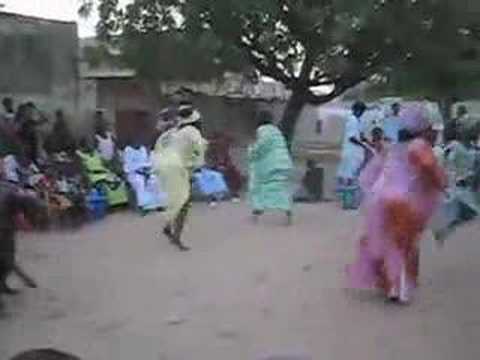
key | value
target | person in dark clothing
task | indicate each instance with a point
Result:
(28, 128)
(452, 127)
(313, 181)
(9, 141)
(311, 190)
(13, 203)
(61, 139)
(219, 159)
(8, 114)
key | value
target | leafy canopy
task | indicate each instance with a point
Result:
(301, 43)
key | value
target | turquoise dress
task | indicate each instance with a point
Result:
(270, 171)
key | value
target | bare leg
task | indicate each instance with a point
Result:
(167, 231)
(179, 225)
(403, 290)
(256, 215)
(27, 279)
(4, 288)
(7, 290)
(289, 218)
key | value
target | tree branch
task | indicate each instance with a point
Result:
(341, 86)
(265, 62)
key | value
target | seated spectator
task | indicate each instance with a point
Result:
(210, 184)
(311, 188)
(54, 194)
(44, 184)
(99, 175)
(11, 169)
(219, 159)
(69, 182)
(30, 173)
(137, 166)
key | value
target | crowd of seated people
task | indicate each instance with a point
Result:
(64, 171)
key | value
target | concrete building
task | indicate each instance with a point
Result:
(38, 62)
(228, 104)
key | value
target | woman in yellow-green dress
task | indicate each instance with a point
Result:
(177, 154)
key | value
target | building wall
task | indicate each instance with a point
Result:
(237, 118)
(38, 62)
(87, 104)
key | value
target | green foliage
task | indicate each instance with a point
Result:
(302, 43)
(444, 60)
(152, 39)
(97, 55)
(167, 56)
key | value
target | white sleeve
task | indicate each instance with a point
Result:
(126, 160)
(352, 129)
(146, 157)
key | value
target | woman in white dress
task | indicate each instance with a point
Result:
(105, 141)
(105, 145)
(137, 166)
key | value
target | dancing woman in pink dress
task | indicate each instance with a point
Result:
(402, 192)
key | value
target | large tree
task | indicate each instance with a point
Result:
(317, 48)
(445, 66)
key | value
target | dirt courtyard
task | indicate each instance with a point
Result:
(117, 290)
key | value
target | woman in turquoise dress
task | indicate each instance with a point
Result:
(271, 170)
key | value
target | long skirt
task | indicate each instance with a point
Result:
(175, 180)
(351, 163)
(273, 192)
(388, 252)
(148, 192)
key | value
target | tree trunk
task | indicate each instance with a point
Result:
(291, 114)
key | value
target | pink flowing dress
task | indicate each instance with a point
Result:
(402, 190)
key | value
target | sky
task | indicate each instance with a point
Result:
(53, 9)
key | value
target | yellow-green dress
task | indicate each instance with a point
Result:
(177, 153)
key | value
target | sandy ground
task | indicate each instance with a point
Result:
(117, 290)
